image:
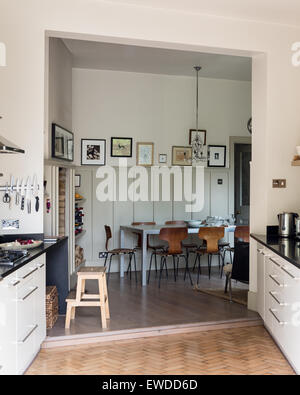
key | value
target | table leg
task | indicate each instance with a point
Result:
(144, 258)
(121, 255)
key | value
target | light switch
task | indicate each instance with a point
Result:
(279, 183)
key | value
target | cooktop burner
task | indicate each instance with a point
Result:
(9, 258)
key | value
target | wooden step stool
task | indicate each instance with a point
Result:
(83, 299)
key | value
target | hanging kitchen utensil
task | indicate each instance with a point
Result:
(6, 197)
(23, 194)
(28, 195)
(17, 201)
(11, 190)
(36, 193)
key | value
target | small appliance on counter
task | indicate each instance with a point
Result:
(297, 228)
(287, 227)
(9, 258)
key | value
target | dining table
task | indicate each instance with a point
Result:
(147, 230)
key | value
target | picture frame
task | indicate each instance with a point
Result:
(93, 152)
(181, 156)
(216, 156)
(162, 158)
(144, 154)
(77, 180)
(62, 143)
(121, 147)
(194, 134)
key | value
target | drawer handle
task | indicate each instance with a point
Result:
(290, 274)
(276, 263)
(28, 274)
(30, 293)
(277, 282)
(15, 283)
(40, 265)
(28, 335)
(277, 319)
(278, 301)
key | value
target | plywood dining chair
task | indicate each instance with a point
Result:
(174, 238)
(117, 252)
(152, 247)
(211, 235)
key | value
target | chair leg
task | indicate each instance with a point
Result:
(68, 315)
(134, 260)
(226, 284)
(166, 267)
(129, 265)
(187, 269)
(230, 289)
(155, 260)
(161, 270)
(219, 261)
(149, 270)
(174, 264)
(209, 264)
(199, 267)
(195, 263)
(223, 264)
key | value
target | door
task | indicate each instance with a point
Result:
(242, 159)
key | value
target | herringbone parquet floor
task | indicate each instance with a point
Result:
(233, 351)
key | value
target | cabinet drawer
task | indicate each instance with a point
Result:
(26, 349)
(26, 273)
(26, 301)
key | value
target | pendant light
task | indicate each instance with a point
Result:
(197, 143)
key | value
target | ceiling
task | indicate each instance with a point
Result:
(272, 11)
(105, 56)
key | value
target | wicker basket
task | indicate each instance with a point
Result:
(51, 306)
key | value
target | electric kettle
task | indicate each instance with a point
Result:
(287, 224)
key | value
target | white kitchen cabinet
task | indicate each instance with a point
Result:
(22, 316)
(261, 281)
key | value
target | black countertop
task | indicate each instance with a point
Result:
(33, 254)
(286, 248)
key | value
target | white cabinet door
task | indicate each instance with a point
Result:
(8, 318)
(261, 280)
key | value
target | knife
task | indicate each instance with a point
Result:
(17, 201)
(28, 195)
(11, 190)
(22, 194)
(36, 193)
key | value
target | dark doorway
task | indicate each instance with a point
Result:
(242, 158)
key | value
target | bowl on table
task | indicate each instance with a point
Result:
(194, 223)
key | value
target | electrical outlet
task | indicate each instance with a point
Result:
(102, 255)
(279, 183)
(10, 224)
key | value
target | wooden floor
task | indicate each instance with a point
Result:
(240, 351)
(175, 303)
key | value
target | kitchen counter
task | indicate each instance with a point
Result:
(286, 248)
(34, 253)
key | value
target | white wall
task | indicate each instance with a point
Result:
(156, 108)
(60, 89)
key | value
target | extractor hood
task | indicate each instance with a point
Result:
(6, 147)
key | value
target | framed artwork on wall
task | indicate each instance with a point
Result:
(216, 156)
(93, 152)
(62, 143)
(121, 147)
(181, 156)
(197, 136)
(162, 158)
(144, 154)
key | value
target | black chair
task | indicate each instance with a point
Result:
(239, 270)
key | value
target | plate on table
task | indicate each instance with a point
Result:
(194, 223)
(20, 245)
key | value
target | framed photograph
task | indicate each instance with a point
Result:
(197, 136)
(121, 147)
(62, 143)
(162, 158)
(144, 154)
(93, 152)
(181, 156)
(77, 180)
(216, 156)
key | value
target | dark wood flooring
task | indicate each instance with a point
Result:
(133, 306)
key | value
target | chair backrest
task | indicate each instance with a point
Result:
(175, 223)
(211, 234)
(242, 233)
(174, 237)
(143, 223)
(108, 235)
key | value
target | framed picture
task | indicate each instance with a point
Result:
(216, 156)
(181, 156)
(144, 154)
(93, 152)
(162, 158)
(121, 147)
(197, 136)
(77, 180)
(62, 143)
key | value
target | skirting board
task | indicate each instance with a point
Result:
(64, 341)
